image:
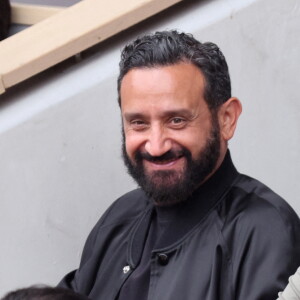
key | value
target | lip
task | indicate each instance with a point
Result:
(167, 165)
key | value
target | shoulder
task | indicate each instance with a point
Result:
(117, 219)
(256, 204)
(125, 208)
(252, 214)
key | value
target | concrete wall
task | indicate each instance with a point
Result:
(60, 132)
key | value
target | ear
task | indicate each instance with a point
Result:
(228, 115)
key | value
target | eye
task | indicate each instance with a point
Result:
(138, 124)
(177, 122)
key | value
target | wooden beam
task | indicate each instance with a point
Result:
(27, 14)
(68, 33)
(2, 88)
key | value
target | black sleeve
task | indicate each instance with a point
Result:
(268, 253)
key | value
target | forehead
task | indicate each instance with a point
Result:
(179, 83)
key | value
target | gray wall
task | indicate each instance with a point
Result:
(60, 132)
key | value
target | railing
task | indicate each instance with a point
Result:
(68, 32)
(27, 14)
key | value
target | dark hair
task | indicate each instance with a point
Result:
(43, 293)
(5, 18)
(171, 47)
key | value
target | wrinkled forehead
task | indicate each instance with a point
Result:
(182, 80)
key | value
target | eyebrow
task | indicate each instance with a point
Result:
(168, 113)
(131, 116)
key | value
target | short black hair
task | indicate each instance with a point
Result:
(166, 48)
(43, 293)
(5, 18)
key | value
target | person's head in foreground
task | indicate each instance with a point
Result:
(43, 293)
(5, 18)
(178, 113)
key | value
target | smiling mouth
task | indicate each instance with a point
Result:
(169, 160)
(164, 164)
(164, 161)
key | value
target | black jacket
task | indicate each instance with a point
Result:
(237, 240)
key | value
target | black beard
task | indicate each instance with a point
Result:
(170, 187)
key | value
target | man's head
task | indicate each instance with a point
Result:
(169, 48)
(178, 114)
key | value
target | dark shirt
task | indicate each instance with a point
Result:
(137, 285)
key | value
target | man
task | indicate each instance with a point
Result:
(197, 229)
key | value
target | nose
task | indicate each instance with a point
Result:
(157, 142)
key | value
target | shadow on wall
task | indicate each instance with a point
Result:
(5, 18)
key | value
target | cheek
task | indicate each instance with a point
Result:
(133, 142)
(193, 140)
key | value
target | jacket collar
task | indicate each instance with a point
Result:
(184, 216)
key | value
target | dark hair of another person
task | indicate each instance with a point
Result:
(5, 18)
(43, 293)
(171, 47)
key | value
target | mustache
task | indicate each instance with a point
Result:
(170, 155)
